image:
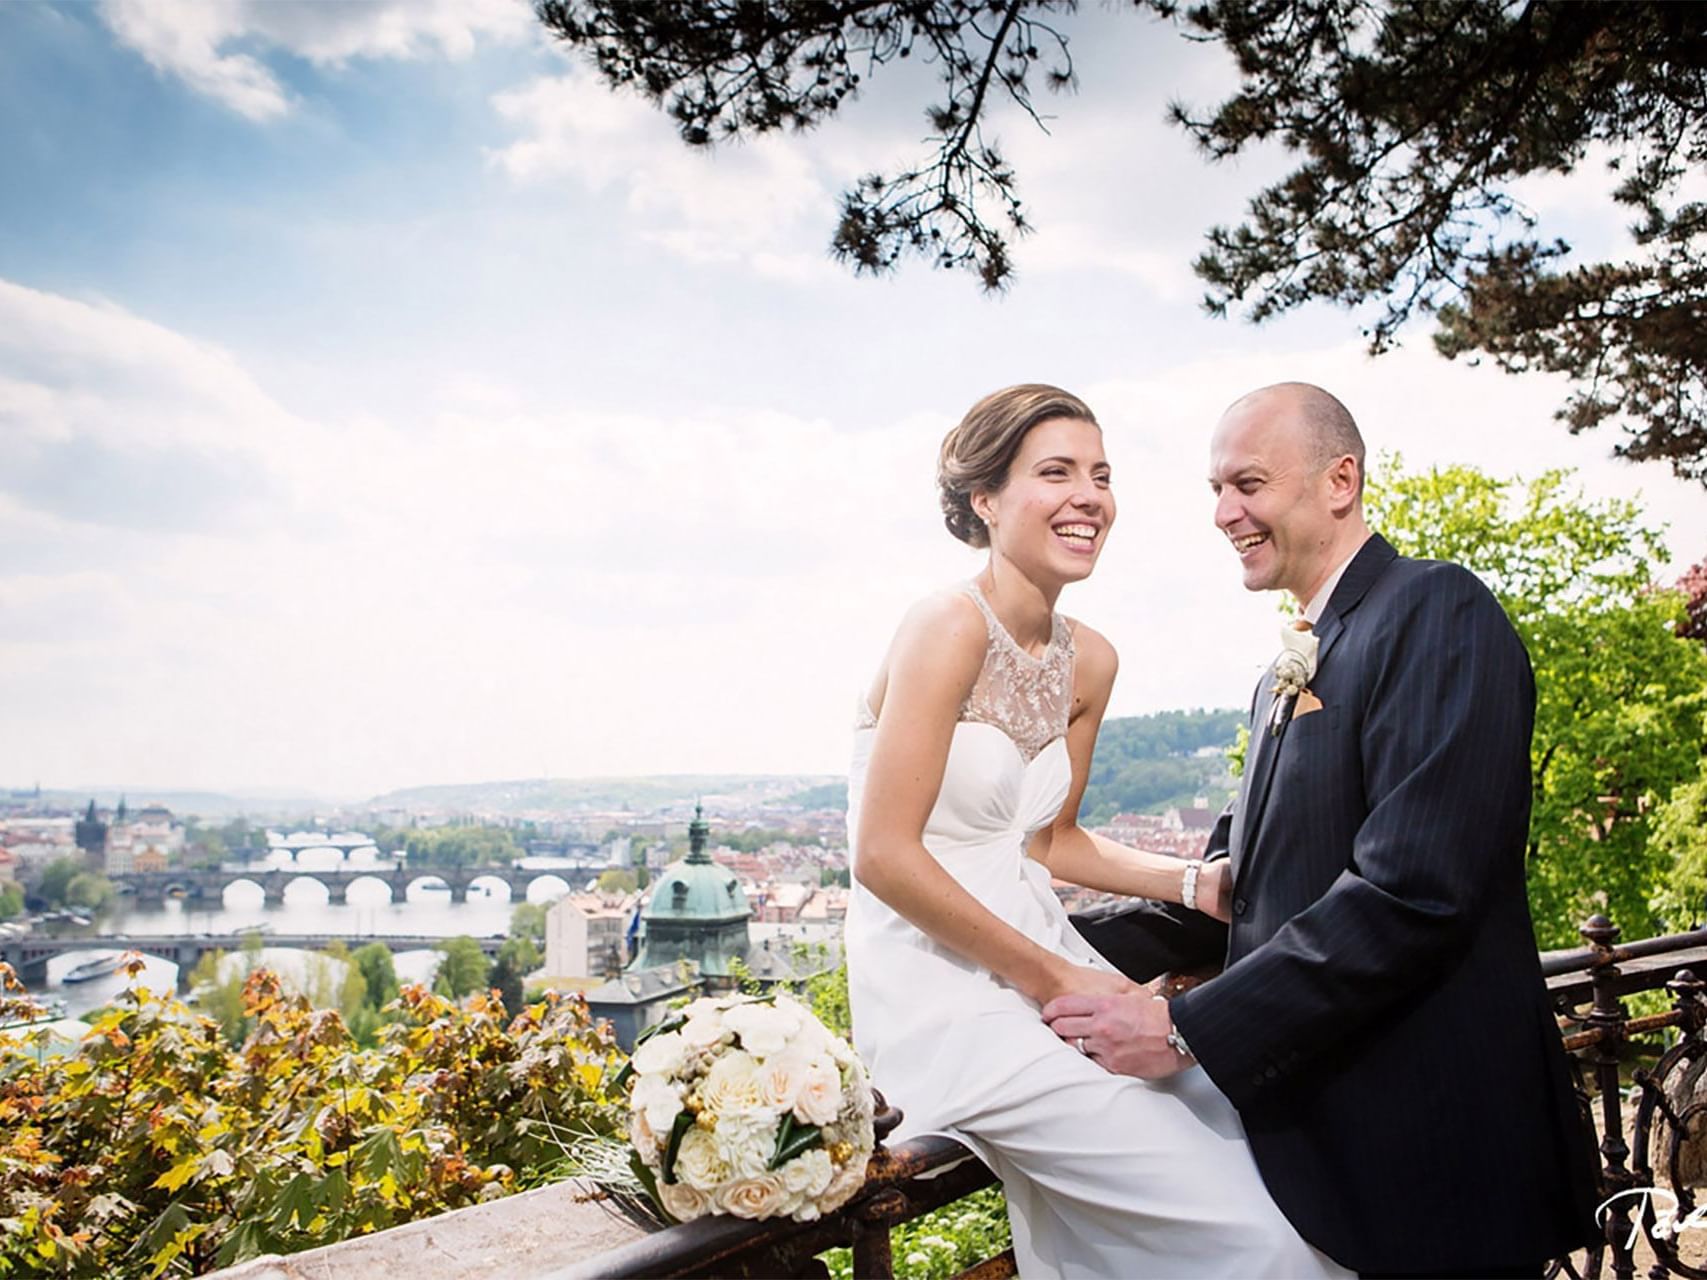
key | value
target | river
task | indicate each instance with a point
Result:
(368, 913)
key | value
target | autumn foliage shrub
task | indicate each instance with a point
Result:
(156, 1148)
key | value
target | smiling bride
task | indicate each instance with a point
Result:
(970, 758)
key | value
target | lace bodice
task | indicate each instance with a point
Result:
(1027, 698)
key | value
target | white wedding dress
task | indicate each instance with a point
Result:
(1105, 1176)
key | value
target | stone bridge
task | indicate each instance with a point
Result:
(29, 955)
(156, 886)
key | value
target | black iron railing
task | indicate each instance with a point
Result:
(1588, 985)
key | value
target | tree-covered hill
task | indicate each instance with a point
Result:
(1144, 764)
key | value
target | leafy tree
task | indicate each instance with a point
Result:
(462, 847)
(56, 879)
(1680, 837)
(1620, 697)
(463, 969)
(11, 901)
(517, 958)
(379, 973)
(90, 891)
(1412, 120)
(618, 880)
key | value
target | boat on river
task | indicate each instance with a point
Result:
(99, 967)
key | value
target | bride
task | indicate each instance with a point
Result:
(970, 758)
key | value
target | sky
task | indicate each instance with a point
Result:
(384, 401)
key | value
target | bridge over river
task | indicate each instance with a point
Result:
(29, 955)
(156, 886)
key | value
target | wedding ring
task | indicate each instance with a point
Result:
(1081, 1044)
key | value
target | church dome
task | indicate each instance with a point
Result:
(696, 888)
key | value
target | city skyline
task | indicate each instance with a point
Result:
(383, 402)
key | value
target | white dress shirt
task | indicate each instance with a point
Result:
(1319, 601)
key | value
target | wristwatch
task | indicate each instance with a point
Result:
(1177, 1042)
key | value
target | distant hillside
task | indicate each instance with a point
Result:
(1145, 764)
(641, 794)
(199, 804)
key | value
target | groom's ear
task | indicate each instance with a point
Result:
(1345, 484)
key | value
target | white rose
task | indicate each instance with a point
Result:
(659, 1100)
(699, 1163)
(808, 1173)
(760, 1197)
(732, 1085)
(704, 1007)
(682, 1202)
(763, 1029)
(745, 1143)
(661, 1055)
(703, 1033)
(820, 1097)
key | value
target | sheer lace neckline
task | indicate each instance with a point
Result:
(1029, 699)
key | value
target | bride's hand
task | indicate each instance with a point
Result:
(1215, 890)
(1082, 980)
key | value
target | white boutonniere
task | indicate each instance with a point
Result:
(1293, 669)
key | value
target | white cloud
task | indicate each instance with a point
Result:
(193, 39)
(768, 203)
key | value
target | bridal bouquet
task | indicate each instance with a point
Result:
(750, 1106)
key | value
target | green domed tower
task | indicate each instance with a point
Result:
(698, 911)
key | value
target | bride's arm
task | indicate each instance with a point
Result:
(932, 665)
(1069, 851)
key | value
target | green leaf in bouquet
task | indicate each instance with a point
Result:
(649, 1180)
(792, 1138)
(678, 1131)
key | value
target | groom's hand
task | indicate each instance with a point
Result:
(1126, 1034)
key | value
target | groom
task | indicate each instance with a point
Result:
(1381, 1023)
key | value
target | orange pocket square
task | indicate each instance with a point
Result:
(1307, 702)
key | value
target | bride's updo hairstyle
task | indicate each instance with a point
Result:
(977, 453)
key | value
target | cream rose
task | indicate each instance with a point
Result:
(661, 1055)
(698, 1161)
(644, 1139)
(760, 1197)
(682, 1202)
(820, 1097)
(848, 1180)
(732, 1085)
(781, 1076)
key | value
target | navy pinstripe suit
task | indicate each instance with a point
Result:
(1381, 1023)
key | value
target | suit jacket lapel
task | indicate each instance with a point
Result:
(1365, 567)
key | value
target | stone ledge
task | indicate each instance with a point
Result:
(527, 1234)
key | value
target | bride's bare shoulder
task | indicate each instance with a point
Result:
(1095, 660)
(944, 620)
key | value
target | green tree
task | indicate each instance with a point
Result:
(379, 973)
(1412, 121)
(463, 969)
(517, 958)
(1620, 696)
(1680, 838)
(90, 891)
(527, 920)
(56, 878)
(11, 901)
(618, 880)
(460, 846)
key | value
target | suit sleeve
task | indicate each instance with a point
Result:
(1444, 738)
(1142, 938)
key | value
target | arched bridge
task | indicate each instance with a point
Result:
(29, 955)
(156, 886)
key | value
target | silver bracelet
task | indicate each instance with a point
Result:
(1177, 1043)
(1188, 885)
